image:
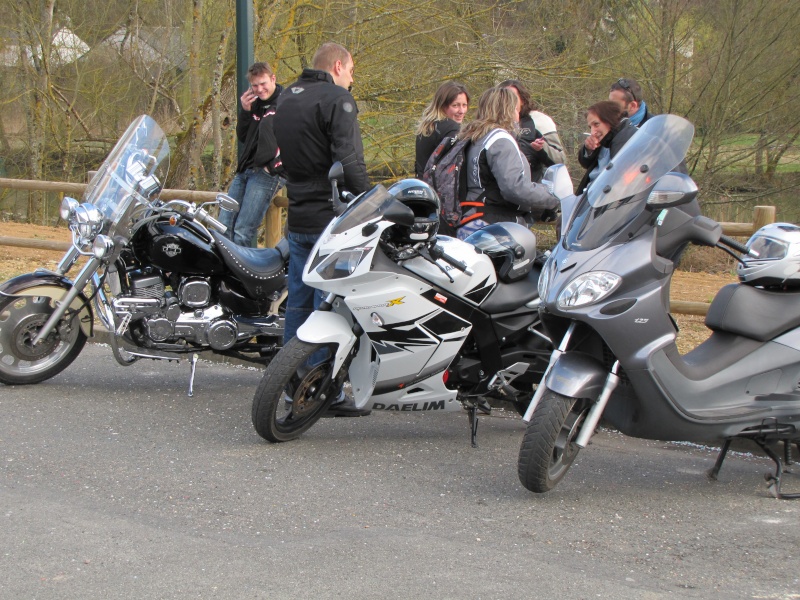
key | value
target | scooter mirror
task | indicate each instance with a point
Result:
(557, 180)
(227, 203)
(673, 189)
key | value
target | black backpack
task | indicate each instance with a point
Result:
(446, 173)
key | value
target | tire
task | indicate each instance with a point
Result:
(547, 450)
(21, 318)
(287, 377)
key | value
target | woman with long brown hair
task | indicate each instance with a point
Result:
(608, 132)
(441, 118)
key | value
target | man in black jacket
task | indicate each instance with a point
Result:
(315, 126)
(259, 166)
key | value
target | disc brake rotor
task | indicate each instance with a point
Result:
(304, 398)
(25, 332)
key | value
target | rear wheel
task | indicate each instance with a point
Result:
(22, 362)
(291, 397)
(548, 449)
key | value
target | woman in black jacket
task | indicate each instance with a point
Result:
(608, 132)
(441, 118)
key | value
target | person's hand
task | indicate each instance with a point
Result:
(537, 144)
(591, 144)
(247, 99)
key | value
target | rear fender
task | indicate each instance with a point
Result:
(577, 375)
(328, 327)
(49, 285)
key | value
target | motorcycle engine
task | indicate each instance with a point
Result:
(194, 292)
(167, 322)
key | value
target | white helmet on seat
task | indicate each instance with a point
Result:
(778, 262)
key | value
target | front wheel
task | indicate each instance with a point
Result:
(548, 449)
(292, 396)
(22, 362)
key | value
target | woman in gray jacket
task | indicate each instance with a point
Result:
(499, 186)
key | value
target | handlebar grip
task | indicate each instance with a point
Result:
(347, 196)
(732, 243)
(209, 221)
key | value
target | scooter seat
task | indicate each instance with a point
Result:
(752, 312)
(509, 296)
(261, 271)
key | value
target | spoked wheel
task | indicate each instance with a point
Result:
(548, 448)
(22, 362)
(291, 397)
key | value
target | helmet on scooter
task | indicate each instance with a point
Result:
(422, 199)
(511, 246)
(778, 262)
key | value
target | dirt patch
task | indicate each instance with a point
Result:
(694, 286)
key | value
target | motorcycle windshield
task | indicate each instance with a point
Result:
(615, 198)
(369, 207)
(140, 154)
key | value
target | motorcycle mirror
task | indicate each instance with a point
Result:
(335, 175)
(399, 214)
(227, 203)
(673, 189)
(336, 172)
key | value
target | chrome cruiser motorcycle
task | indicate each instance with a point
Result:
(413, 321)
(163, 278)
(605, 302)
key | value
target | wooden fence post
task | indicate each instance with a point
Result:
(763, 215)
(274, 221)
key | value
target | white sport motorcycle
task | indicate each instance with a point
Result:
(412, 321)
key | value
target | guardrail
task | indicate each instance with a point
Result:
(273, 220)
(762, 215)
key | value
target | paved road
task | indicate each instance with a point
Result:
(115, 484)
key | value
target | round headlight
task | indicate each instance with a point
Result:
(102, 246)
(68, 206)
(88, 221)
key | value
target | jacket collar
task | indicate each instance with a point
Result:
(316, 75)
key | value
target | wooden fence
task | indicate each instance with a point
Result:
(762, 215)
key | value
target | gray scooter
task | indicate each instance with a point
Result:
(605, 296)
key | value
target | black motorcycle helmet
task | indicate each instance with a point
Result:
(422, 199)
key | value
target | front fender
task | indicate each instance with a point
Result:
(577, 375)
(50, 285)
(327, 327)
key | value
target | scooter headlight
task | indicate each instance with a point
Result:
(68, 206)
(342, 264)
(588, 289)
(88, 221)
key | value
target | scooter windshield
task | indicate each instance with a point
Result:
(615, 198)
(368, 207)
(140, 154)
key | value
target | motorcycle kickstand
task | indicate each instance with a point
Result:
(774, 481)
(473, 425)
(193, 367)
(714, 472)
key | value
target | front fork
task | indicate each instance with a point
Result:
(596, 412)
(80, 282)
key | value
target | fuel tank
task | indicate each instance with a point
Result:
(183, 248)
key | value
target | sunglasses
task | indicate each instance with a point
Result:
(625, 85)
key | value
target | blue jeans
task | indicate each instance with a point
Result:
(302, 299)
(254, 189)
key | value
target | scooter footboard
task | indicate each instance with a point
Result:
(577, 375)
(327, 327)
